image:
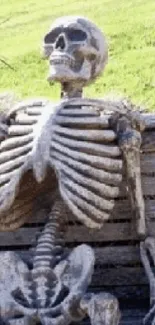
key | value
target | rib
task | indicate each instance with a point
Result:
(24, 119)
(99, 162)
(16, 142)
(87, 135)
(20, 130)
(77, 212)
(88, 194)
(77, 112)
(87, 208)
(89, 147)
(94, 173)
(12, 164)
(11, 154)
(93, 122)
(103, 190)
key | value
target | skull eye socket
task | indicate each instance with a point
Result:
(76, 35)
(52, 36)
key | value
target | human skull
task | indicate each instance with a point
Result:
(76, 49)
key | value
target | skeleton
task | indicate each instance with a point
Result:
(81, 142)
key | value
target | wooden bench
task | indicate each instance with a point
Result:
(118, 267)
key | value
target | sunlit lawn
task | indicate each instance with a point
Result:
(128, 24)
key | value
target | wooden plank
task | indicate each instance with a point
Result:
(148, 187)
(132, 321)
(122, 210)
(149, 119)
(132, 293)
(78, 234)
(109, 232)
(148, 141)
(132, 316)
(104, 256)
(112, 276)
(127, 321)
(119, 276)
(117, 255)
(134, 312)
(148, 163)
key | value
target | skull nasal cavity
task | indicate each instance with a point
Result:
(60, 43)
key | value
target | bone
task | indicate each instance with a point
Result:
(87, 135)
(86, 122)
(94, 173)
(102, 190)
(13, 164)
(78, 112)
(147, 248)
(130, 142)
(78, 213)
(88, 208)
(89, 147)
(20, 130)
(106, 106)
(92, 185)
(5, 178)
(16, 142)
(72, 63)
(11, 154)
(83, 187)
(24, 119)
(34, 111)
(147, 251)
(109, 164)
(102, 308)
(21, 106)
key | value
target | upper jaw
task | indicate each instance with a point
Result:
(66, 60)
(62, 59)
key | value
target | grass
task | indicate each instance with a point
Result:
(130, 30)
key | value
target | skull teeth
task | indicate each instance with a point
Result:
(65, 61)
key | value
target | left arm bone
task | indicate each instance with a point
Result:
(129, 129)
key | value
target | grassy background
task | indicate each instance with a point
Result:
(128, 24)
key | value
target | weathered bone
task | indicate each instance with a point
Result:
(90, 135)
(130, 141)
(79, 60)
(102, 308)
(52, 291)
(23, 119)
(88, 122)
(90, 209)
(87, 170)
(82, 216)
(147, 249)
(19, 130)
(110, 164)
(89, 147)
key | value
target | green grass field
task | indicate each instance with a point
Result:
(128, 24)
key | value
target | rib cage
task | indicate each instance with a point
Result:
(87, 160)
(76, 141)
(16, 158)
